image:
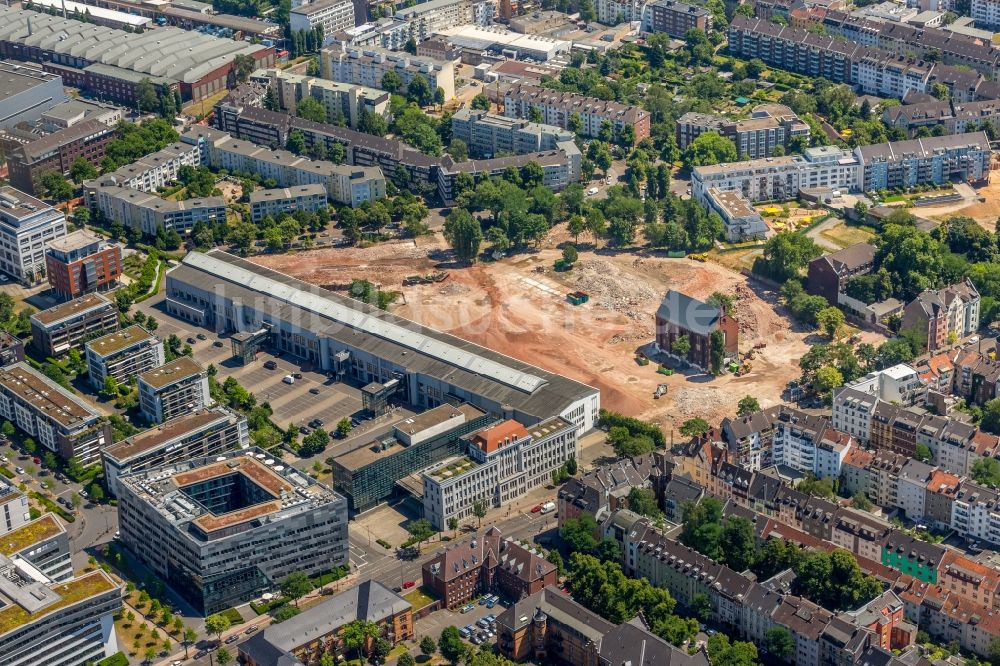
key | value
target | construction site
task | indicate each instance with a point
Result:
(586, 323)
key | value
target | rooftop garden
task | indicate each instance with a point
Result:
(70, 593)
(454, 468)
(35, 531)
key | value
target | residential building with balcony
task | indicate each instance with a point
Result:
(558, 107)
(60, 328)
(341, 100)
(56, 152)
(769, 126)
(82, 262)
(173, 389)
(675, 18)
(27, 226)
(330, 15)
(123, 355)
(945, 315)
(149, 212)
(285, 201)
(367, 66)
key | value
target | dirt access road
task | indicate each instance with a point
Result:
(517, 307)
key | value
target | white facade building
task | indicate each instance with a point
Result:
(26, 226)
(366, 66)
(986, 13)
(852, 413)
(122, 355)
(503, 463)
(613, 12)
(899, 384)
(331, 15)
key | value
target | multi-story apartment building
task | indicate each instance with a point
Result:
(220, 530)
(368, 66)
(769, 126)
(560, 167)
(330, 15)
(340, 335)
(740, 219)
(345, 184)
(173, 389)
(911, 491)
(56, 330)
(51, 415)
(148, 212)
(807, 443)
(319, 631)
(938, 159)
(122, 355)
(82, 262)
(488, 134)
(750, 439)
(57, 152)
(899, 384)
(986, 13)
(11, 349)
(368, 475)
(153, 171)
(13, 508)
(287, 200)
(943, 316)
(484, 565)
(425, 19)
(27, 226)
(674, 18)
(616, 12)
(503, 462)
(200, 434)
(954, 117)
(558, 107)
(52, 618)
(341, 100)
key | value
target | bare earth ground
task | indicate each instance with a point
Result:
(517, 307)
(986, 212)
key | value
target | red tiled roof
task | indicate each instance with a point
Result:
(491, 439)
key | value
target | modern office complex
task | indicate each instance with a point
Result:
(201, 434)
(110, 63)
(281, 201)
(51, 415)
(52, 618)
(173, 389)
(148, 212)
(558, 107)
(13, 507)
(122, 355)
(339, 99)
(675, 18)
(82, 262)
(414, 364)
(319, 630)
(29, 159)
(352, 185)
(60, 328)
(367, 66)
(27, 225)
(330, 15)
(502, 462)
(513, 45)
(26, 91)
(769, 126)
(221, 530)
(368, 475)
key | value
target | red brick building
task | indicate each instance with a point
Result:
(679, 315)
(57, 152)
(82, 262)
(487, 564)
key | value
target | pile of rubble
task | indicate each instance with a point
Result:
(453, 289)
(745, 316)
(696, 401)
(638, 334)
(610, 289)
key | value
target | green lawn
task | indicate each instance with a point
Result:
(419, 598)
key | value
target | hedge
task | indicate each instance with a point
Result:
(117, 659)
(635, 427)
(267, 606)
(52, 506)
(330, 576)
(6, 472)
(233, 616)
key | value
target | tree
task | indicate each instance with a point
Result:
(296, 585)
(453, 525)
(314, 443)
(780, 643)
(391, 82)
(150, 655)
(738, 543)
(681, 347)
(458, 150)
(701, 606)
(357, 634)
(96, 492)
(717, 350)
(451, 645)
(747, 405)
(82, 170)
(223, 657)
(986, 471)
(861, 502)
(344, 427)
(923, 452)
(311, 109)
(428, 646)
(479, 509)
(785, 255)
(570, 255)
(709, 148)
(145, 95)
(481, 102)
(296, 142)
(55, 186)
(284, 613)
(190, 636)
(406, 659)
(830, 320)
(420, 530)
(625, 443)
(643, 502)
(578, 533)
(217, 625)
(464, 234)
(694, 427)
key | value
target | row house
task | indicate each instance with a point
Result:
(912, 556)
(970, 579)
(750, 438)
(605, 489)
(976, 376)
(942, 492)
(911, 492)
(942, 316)
(950, 617)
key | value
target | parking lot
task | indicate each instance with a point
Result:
(313, 396)
(433, 624)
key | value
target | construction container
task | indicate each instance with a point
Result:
(677, 254)
(733, 367)
(577, 297)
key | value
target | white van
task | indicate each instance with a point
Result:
(548, 507)
(288, 379)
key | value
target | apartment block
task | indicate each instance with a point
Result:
(285, 201)
(986, 14)
(769, 126)
(425, 19)
(368, 65)
(223, 529)
(352, 185)
(51, 618)
(740, 219)
(899, 384)
(27, 225)
(503, 462)
(123, 355)
(153, 171)
(675, 18)
(52, 416)
(173, 389)
(941, 159)
(560, 167)
(488, 134)
(13, 508)
(56, 330)
(616, 12)
(952, 116)
(943, 316)
(148, 212)
(829, 274)
(807, 444)
(330, 15)
(57, 152)
(341, 100)
(557, 108)
(82, 262)
(199, 434)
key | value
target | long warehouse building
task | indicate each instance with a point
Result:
(424, 367)
(111, 63)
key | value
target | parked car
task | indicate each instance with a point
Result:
(252, 628)
(304, 430)
(190, 341)
(467, 608)
(217, 343)
(232, 639)
(297, 375)
(36, 460)
(464, 632)
(408, 584)
(316, 423)
(314, 390)
(201, 336)
(288, 379)
(536, 508)
(19, 470)
(200, 654)
(481, 622)
(270, 365)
